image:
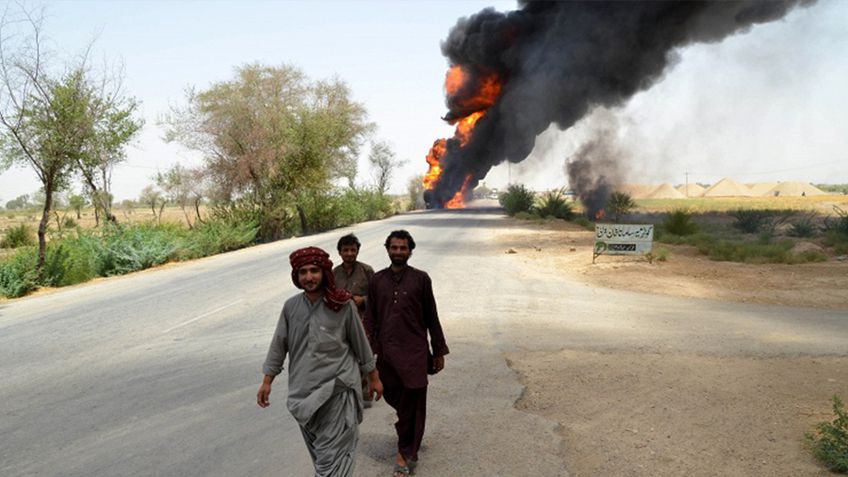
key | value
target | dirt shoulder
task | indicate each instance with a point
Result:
(678, 413)
(685, 273)
(641, 415)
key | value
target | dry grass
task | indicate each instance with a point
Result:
(12, 218)
(823, 204)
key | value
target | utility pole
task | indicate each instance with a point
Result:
(687, 183)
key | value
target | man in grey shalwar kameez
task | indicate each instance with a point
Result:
(320, 331)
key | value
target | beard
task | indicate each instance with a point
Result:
(398, 261)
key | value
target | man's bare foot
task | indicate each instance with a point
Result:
(401, 467)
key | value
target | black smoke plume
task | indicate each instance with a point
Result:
(557, 61)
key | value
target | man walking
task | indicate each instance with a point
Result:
(401, 312)
(354, 276)
(328, 349)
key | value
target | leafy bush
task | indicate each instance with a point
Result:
(838, 241)
(125, 249)
(517, 198)
(216, 236)
(830, 443)
(838, 224)
(679, 222)
(620, 203)
(555, 204)
(18, 236)
(750, 221)
(17, 274)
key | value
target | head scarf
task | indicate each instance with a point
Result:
(334, 298)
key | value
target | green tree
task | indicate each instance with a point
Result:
(77, 202)
(272, 140)
(114, 123)
(415, 191)
(620, 203)
(153, 198)
(19, 202)
(45, 126)
(51, 122)
(384, 163)
(184, 187)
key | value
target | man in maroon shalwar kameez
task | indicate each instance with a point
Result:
(401, 312)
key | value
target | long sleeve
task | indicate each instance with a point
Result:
(431, 320)
(358, 342)
(279, 348)
(371, 320)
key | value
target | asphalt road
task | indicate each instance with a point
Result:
(156, 373)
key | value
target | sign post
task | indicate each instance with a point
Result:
(622, 239)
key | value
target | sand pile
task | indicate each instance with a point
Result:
(666, 191)
(728, 188)
(636, 191)
(794, 189)
(694, 190)
(761, 188)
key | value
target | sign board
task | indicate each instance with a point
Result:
(623, 239)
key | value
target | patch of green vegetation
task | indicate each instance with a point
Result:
(554, 204)
(18, 236)
(830, 441)
(679, 222)
(517, 198)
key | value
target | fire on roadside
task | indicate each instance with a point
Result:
(473, 98)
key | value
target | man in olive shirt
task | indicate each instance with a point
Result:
(354, 276)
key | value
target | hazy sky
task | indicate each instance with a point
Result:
(767, 105)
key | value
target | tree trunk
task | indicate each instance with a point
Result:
(42, 230)
(161, 208)
(304, 229)
(197, 211)
(188, 219)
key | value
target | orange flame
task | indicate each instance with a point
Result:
(457, 201)
(433, 158)
(454, 79)
(466, 125)
(600, 214)
(485, 93)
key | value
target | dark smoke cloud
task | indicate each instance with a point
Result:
(560, 60)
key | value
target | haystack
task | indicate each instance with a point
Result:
(694, 190)
(795, 189)
(666, 191)
(728, 188)
(636, 191)
(761, 188)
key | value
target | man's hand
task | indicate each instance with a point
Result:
(375, 388)
(359, 300)
(438, 363)
(264, 392)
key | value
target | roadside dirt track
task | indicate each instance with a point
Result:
(625, 413)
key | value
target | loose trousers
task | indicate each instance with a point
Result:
(411, 408)
(331, 435)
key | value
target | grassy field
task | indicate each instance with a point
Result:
(31, 217)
